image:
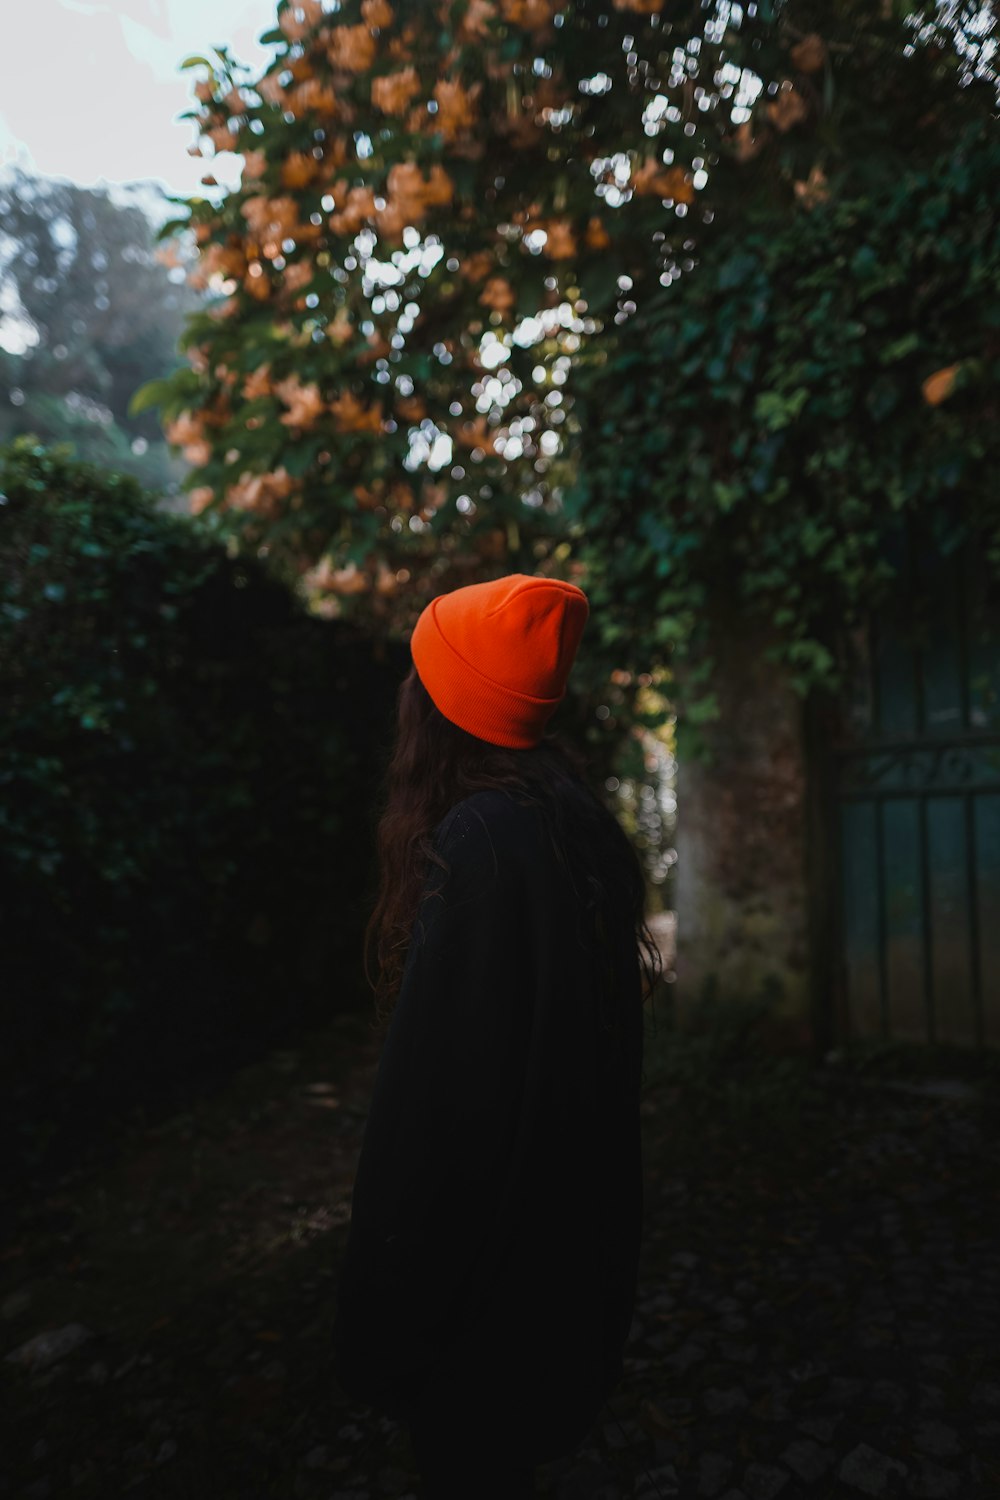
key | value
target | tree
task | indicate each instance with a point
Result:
(92, 309)
(455, 216)
(752, 441)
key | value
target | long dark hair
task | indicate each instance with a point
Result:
(434, 765)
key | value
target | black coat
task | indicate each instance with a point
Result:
(492, 1256)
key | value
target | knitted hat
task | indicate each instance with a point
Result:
(495, 657)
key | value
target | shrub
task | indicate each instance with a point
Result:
(186, 768)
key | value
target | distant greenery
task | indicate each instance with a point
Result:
(187, 765)
(94, 309)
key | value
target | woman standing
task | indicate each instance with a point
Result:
(490, 1271)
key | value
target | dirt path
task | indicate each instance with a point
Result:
(820, 1285)
(195, 1262)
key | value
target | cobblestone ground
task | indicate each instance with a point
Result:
(818, 1316)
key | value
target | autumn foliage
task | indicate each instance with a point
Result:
(440, 204)
(467, 233)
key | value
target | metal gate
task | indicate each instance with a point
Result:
(916, 792)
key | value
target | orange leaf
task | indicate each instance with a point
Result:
(939, 386)
(809, 55)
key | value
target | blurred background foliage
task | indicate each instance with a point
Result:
(686, 303)
(91, 307)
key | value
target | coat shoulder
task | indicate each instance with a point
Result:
(487, 820)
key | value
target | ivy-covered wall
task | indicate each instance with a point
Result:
(757, 430)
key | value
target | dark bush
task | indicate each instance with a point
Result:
(187, 767)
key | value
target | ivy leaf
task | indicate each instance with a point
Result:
(900, 348)
(736, 270)
(776, 409)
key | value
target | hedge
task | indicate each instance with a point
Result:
(187, 768)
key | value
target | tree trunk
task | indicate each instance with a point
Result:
(742, 891)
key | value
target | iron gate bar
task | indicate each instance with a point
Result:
(883, 955)
(925, 923)
(962, 639)
(973, 740)
(916, 651)
(880, 794)
(972, 889)
(874, 691)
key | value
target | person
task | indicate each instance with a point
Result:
(489, 1276)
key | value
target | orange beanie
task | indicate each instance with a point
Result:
(495, 657)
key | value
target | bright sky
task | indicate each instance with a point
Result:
(91, 89)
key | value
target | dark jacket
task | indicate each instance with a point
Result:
(492, 1256)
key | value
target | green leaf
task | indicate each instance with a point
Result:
(900, 348)
(150, 395)
(736, 270)
(776, 410)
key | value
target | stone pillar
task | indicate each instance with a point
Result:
(742, 892)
